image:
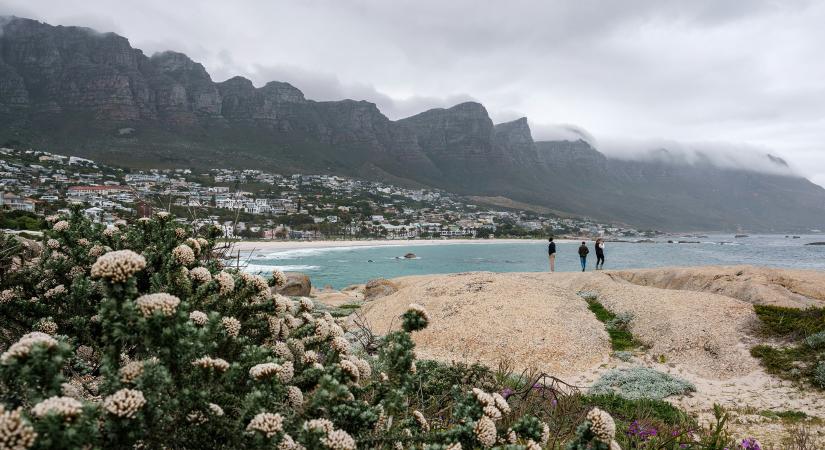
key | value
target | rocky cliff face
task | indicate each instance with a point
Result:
(77, 91)
(516, 141)
(570, 155)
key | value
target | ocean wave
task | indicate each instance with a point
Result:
(304, 252)
(267, 269)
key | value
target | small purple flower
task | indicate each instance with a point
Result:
(751, 444)
(641, 432)
(506, 393)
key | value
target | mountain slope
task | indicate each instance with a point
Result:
(74, 90)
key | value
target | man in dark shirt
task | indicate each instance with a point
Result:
(551, 251)
(583, 251)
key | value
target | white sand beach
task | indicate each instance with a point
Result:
(268, 246)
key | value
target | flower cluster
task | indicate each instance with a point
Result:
(200, 274)
(195, 245)
(161, 303)
(602, 425)
(66, 407)
(207, 362)
(124, 403)
(485, 431)
(231, 325)
(131, 371)
(421, 421)
(118, 266)
(266, 423)
(15, 433)
(278, 278)
(47, 326)
(23, 347)
(6, 296)
(198, 318)
(294, 396)
(226, 284)
(184, 255)
(55, 291)
(331, 437)
(257, 282)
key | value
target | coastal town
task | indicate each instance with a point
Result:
(253, 204)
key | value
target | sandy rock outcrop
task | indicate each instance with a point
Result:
(705, 333)
(757, 285)
(538, 320)
(338, 298)
(379, 288)
(489, 318)
(297, 285)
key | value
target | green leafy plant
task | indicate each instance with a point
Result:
(621, 339)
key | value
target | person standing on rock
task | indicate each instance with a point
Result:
(583, 252)
(599, 254)
(551, 252)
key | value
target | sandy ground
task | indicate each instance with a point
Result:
(537, 320)
(760, 285)
(489, 317)
(246, 246)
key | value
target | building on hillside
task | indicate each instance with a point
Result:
(12, 201)
(86, 191)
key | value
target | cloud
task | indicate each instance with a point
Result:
(561, 132)
(719, 154)
(326, 86)
(747, 72)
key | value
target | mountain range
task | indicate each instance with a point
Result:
(74, 90)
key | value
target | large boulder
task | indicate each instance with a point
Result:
(297, 285)
(379, 288)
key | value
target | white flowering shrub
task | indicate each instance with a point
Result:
(597, 432)
(151, 344)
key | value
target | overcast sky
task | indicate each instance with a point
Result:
(742, 76)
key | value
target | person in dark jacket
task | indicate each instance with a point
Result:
(583, 252)
(551, 252)
(599, 254)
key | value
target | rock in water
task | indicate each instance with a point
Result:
(297, 285)
(379, 288)
(410, 256)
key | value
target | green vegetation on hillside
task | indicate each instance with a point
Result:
(21, 220)
(621, 339)
(803, 357)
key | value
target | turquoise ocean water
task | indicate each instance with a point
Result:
(340, 267)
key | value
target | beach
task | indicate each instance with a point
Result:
(272, 246)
